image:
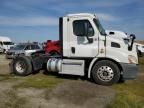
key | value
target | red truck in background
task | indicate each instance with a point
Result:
(52, 47)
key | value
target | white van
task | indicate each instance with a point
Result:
(5, 44)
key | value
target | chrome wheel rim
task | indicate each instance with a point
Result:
(20, 66)
(105, 73)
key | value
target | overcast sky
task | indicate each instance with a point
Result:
(37, 20)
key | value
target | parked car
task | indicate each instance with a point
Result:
(140, 49)
(23, 49)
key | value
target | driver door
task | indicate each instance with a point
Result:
(82, 42)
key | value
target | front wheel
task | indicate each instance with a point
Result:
(22, 66)
(105, 72)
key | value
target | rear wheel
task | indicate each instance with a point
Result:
(105, 72)
(22, 66)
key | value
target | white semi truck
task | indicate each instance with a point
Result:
(86, 50)
(5, 43)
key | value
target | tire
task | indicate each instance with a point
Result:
(22, 66)
(105, 73)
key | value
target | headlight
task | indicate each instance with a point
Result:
(132, 59)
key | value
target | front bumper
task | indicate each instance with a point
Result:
(9, 56)
(129, 71)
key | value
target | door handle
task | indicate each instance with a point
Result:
(73, 49)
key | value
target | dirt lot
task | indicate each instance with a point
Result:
(50, 91)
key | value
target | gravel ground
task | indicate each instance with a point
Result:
(70, 94)
(3, 60)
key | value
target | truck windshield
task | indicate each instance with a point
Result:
(19, 47)
(99, 26)
(8, 43)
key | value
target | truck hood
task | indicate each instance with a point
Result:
(116, 34)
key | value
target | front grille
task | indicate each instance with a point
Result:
(10, 53)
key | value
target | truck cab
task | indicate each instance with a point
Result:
(84, 37)
(88, 50)
(5, 44)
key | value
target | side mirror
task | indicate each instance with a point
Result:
(132, 38)
(88, 32)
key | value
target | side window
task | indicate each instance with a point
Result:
(32, 47)
(28, 47)
(35, 47)
(83, 28)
